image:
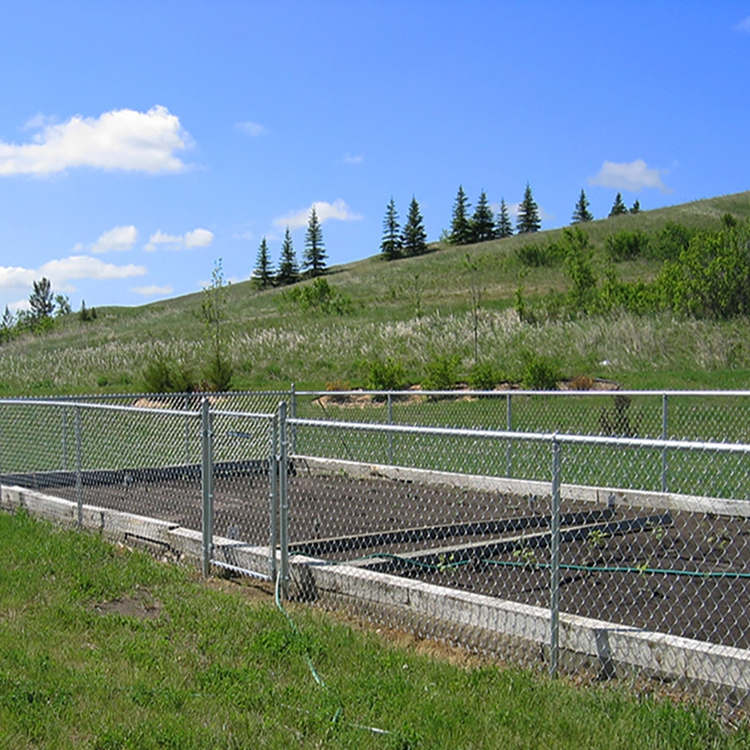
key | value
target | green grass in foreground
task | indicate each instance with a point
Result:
(214, 670)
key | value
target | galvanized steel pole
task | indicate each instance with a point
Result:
(207, 485)
(554, 646)
(283, 500)
(79, 461)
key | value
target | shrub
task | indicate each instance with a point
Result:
(218, 372)
(538, 254)
(670, 241)
(484, 376)
(385, 375)
(320, 296)
(539, 373)
(626, 245)
(442, 373)
(163, 375)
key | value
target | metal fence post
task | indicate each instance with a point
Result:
(390, 434)
(664, 434)
(274, 495)
(65, 438)
(79, 461)
(187, 430)
(293, 415)
(509, 428)
(554, 645)
(283, 500)
(207, 485)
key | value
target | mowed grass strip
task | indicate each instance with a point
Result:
(103, 647)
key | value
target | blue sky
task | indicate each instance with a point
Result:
(141, 141)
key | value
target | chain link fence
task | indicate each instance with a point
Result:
(592, 538)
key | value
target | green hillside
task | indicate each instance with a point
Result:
(415, 312)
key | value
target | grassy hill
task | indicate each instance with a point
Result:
(415, 311)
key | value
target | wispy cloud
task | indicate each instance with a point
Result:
(117, 239)
(152, 291)
(634, 175)
(63, 270)
(353, 159)
(194, 238)
(337, 210)
(743, 25)
(122, 139)
(253, 129)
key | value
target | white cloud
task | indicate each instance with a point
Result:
(21, 304)
(117, 239)
(121, 139)
(153, 290)
(743, 25)
(250, 128)
(325, 211)
(353, 159)
(198, 237)
(634, 175)
(16, 277)
(63, 270)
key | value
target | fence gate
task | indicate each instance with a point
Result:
(240, 491)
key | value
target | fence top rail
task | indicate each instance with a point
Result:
(102, 407)
(195, 395)
(625, 442)
(269, 416)
(515, 392)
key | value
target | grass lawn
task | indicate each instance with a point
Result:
(102, 647)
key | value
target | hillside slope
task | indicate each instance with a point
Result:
(415, 311)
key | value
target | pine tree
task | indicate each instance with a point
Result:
(636, 209)
(288, 269)
(528, 214)
(460, 226)
(6, 325)
(582, 212)
(315, 257)
(414, 238)
(41, 299)
(262, 274)
(504, 226)
(391, 244)
(482, 222)
(618, 207)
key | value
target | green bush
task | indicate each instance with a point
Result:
(442, 373)
(484, 376)
(626, 245)
(218, 372)
(319, 296)
(538, 254)
(539, 373)
(164, 375)
(385, 375)
(671, 240)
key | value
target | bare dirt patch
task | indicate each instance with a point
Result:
(141, 605)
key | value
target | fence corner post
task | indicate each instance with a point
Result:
(554, 645)
(207, 486)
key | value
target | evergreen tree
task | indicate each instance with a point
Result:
(504, 226)
(62, 305)
(41, 299)
(528, 214)
(460, 226)
(6, 325)
(262, 274)
(391, 244)
(582, 212)
(636, 209)
(482, 222)
(618, 207)
(414, 238)
(288, 269)
(315, 256)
